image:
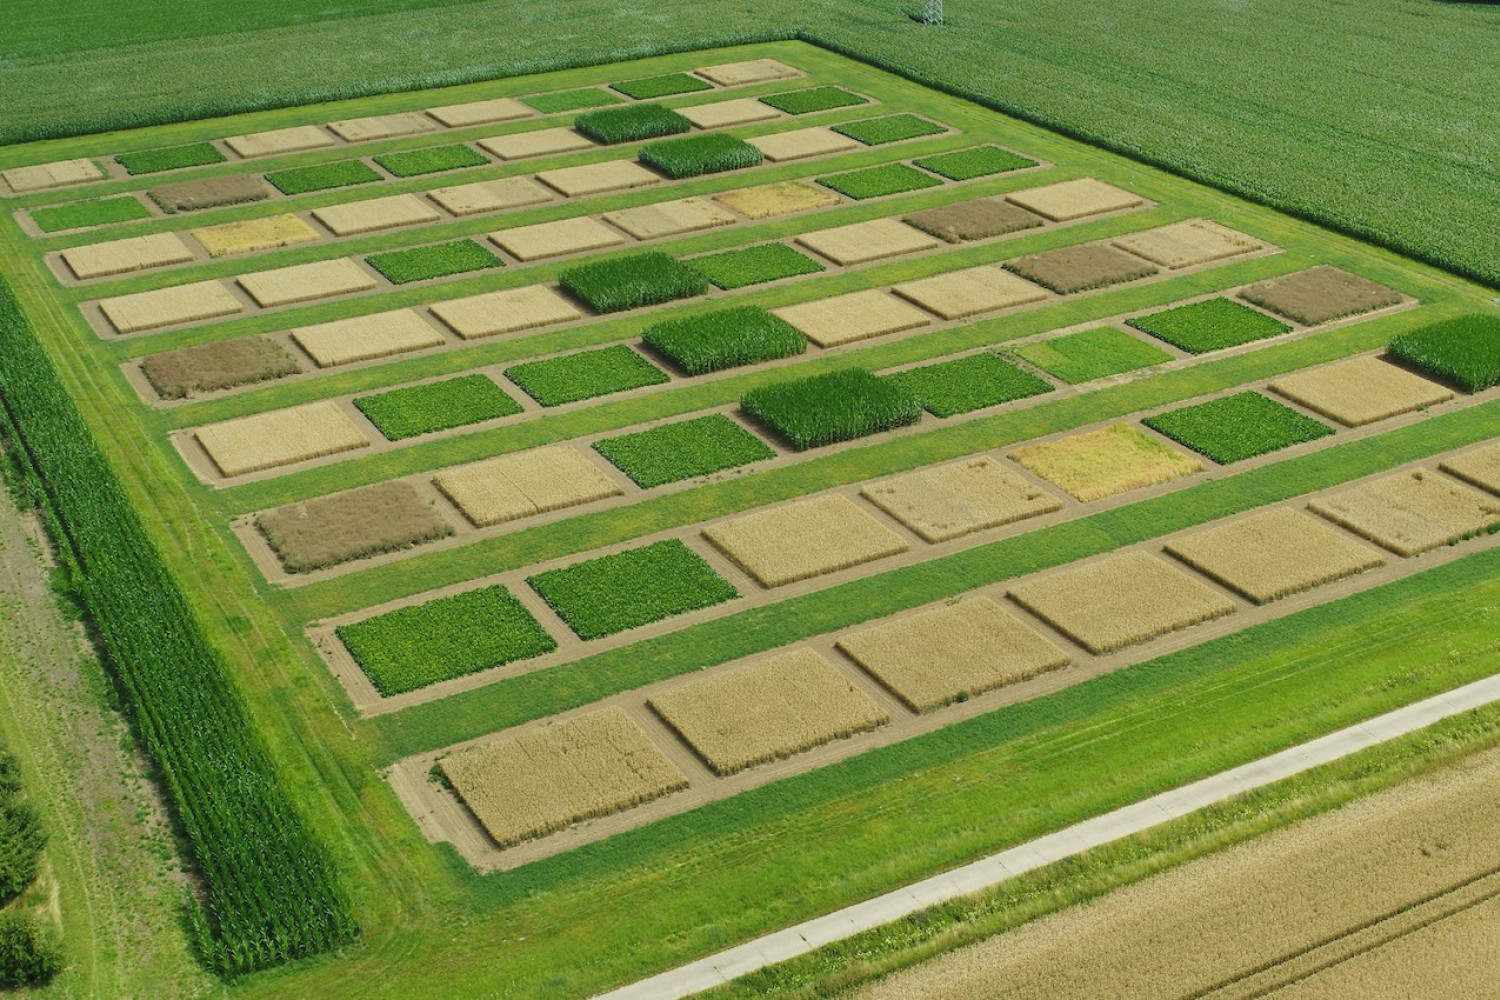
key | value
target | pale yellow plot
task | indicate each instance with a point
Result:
(380, 335)
(553, 239)
(520, 485)
(542, 142)
(559, 774)
(1114, 459)
(1187, 244)
(937, 657)
(280, 437)
(1480, 467)
(52, 175)
(738, 74)
(505, 312)
(491, 196)
(801, 143)
(97, 260)
(369, 216)
(170, 306)
(1410, 512)
(782, 198)
(381, 127)
(1121, 600)
(959, 498)
(867, 241)
(501, 109)
(1361, 390)
(808, 538)
(969, 292)
(253, 235)
(766, 710)
(722, 114)
(1074, 199)
(670, 218)
(305, 282)
(597, 178)
(856, 316)
(282, 140)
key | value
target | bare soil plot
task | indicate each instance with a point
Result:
(1101, 463)
(1480, 467)
(500, 109)
(725, 113)
(1274, 553)
(305, 282)
(560, 774)
(297, 139)
(1074, 199)
(520, 485)
(280, 437)
(169, 306)
(494, 313)
(222, 365)
(1410, 512)
(543, 142)
(969, 292)
(375, 214)
(867, 241)
(845, 319)
(597, 178)
(98, 260)
(252, 235)
(808, 538)
(315, 534)
(1079, 268)
(738, 74)
(671, 218)
(553, 239)
(801, 143)
(979, 219)
(765, 201)
(765, 711)
(934, 658)
(491, 196)
(1121, 600)
(193, 196)
(1361, 391)
(378, 335)
(959, 498)
(51, 175)
(1187, 244)
(1320, 295)
(381, 127)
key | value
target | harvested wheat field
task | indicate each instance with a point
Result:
(597, 178)
(866, 241)
(979, 219)
(1077, 269)
(670, 218)
(254, 234)
(1480, 467)
(970, 292)
(280, 437)
(506, 311)
(370, 216)
(316, 534)
(802, 143)
(222, 365)
(856, 316)
(553, 239)
(934, 658)
(1320, 295)
(1101, 463)
(1410, 512)
(766, 201)
(500, 109)
(282, 140)
(381, 127)
(1074, 199)
(1275, 553)
(738, 74)
(1121, 600)
(808, 538)
(959, 498)
(520, 485)
(189, 303)
(99, 260)
(560, 773)
(741, 111)
(543, 142)
(193, 196)
(1187, 244)
(51, 175)
(765, 711)
(1361, 391)
(491, 196)
(378, 335)
(306, 282)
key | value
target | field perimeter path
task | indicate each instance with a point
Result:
(990, 871)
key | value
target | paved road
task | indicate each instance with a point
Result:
(992, 870)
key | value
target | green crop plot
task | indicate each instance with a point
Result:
(825, 409)
(892, 128)
(967, 164)
(585, 375)
(302, 180)
(1090, 354)
(572, 100)
(966, 384)
(1464, 352)
(1209, 326)
(700, 154)
(877, 182)
(754, 265)
(436, 406)
(633, 124)
(802, 102)
(80, 214)
(1234, 428)
(652, 87)
(727, 338)
(436, 159)
(684, 450)
(621, 283)
(152, 161)
(438, 261)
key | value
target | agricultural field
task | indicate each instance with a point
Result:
(531, 489)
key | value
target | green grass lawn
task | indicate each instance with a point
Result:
(572, 100)
(963, 385)
(441, 260)
(1237, 427)
(302, 180)
(1464, 352)
(79, 214)
(416, 162)
(967, 164)
(1090, 354)
(754, 265)
(726, 338)
(1211, 325)
(554, 381)
(684, 450)
(436, 406)
(876, 182)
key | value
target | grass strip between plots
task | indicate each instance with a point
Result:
(438, 261)
(966, 384)
(572, 100)
(825, 409)
(80, 214)
(1464, 352)
(1234, 428)
(152, 161)
(982, 161)
(1090, 354)
(652, 87)
(417, 162)
(621, 283)
(301, 180)
(876, 182)
(728, 338)
(894, 128)
(684, 450)
(695, 155)
(554, 381)
(639, 121)
(802, 102)
(436, 406)
(754, 265)
(1211, 325)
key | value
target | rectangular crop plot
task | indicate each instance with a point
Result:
(153, 161)
(764, 711)
(1075, 199)
(1361, 391)
(572, 100)
(863, 242)
(957, 499)
(253, 235)
(381, 127)
(723, 114)
(440, 260)
(526, 483)
(1320, 295)
(84, 214)
(567, 379)
(436, 406)
(491, 196)
(1187, 244)
(1274, 553)
(1114, 459)
(315, 534)
(324, 177)
(542, 142)
(951, 653)
(966, 384)
(1211, 325)
(221, 365)
(1121, 600)
(598, 178)
(449, 637)
(297, 139)
(161, 307)
(1091, 354)
(825, 409)
(194, 196)
(280, 437)
(621, 283)
(613, 593)
(666, 85)
(375, 214)
(802, 102)
(1081, 268)
(878, 182)
(979, 219)
(856, 316)
(808, 538)
(139, 253)
(892, 128)
(738, 74)
(418, 162)
(305, 282)
(981, 161)
(1410, 512)
(779, 147)
(754, 265)
(633, 124)
(671, 218)
(378, 335)
(727, 338)
(560, 774)
(554, 239)
(696, 155)
(969, 292)
(1464, 351)
(507, 311)
(500, 109)
(43, 176)
(684, 450)
(1480, 467)
(1234, 428)
(766, 201)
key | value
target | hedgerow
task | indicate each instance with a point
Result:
(839, 406)
(683, 450)
(639, 121)
(416, 162)
(554, 381)
(152, 161)
(436, 406)
(1464, 351)
(1234, 428)
(966, 384)
(727, 338)
(437, 261)
(79, 214)
(700, 154)
(754, 265)
(21, 836)
(644, 279)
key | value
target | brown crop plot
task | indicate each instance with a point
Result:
(1361, 391)
(1320, 295)
(808, 538)
(304, 282)
(866, 241)
(552, 239)
(1074, 199)
(530, 482)
(254, 234)
(60, 173)
(491, 196)
(500, 109)
(597, 178)
(767, 200)
(974, 220)
(1480, 467)
(374, 214)
(969, 292)
(845, 319)
(161, 307)
(741, 111)
(802, 143)
(315, 534)
(738, 74)
(1410, 512)
(280, 437)
(959, 498)
(1101, 463)
(282, 140)
(544, 142)
(1077, 269)
(222, 365)
(1187, 244)
(381, 127)
(670, 218)
(193, 196)
(494, 313)
(378, 335)
(99, 260)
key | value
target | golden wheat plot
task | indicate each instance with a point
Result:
(1361, 391)
(560, 774)
(1101, 463)
(1186, 244)
(961, 497)
(936, 657)
(1074, 199)
(139, 253)
(251, 235)
(804, 539)
(530, 482)
(1410, 512)
(378, 335)
(782, 198)
(280, 437)
(1480, 467)
(764, 711)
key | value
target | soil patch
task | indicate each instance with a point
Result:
(1320, 295)
(194, 196)
(1077, 269)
